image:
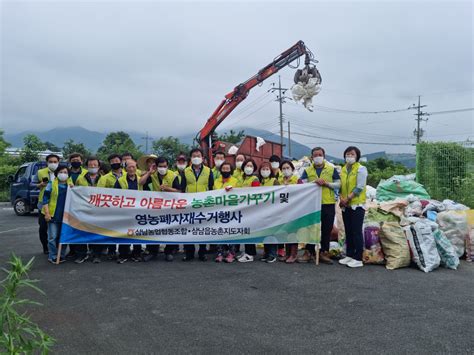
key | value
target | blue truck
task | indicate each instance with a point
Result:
(23, 190)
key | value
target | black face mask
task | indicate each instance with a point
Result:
(76, 164)
(225, 174)
(115, 166)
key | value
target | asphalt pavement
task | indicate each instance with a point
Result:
(204, 307)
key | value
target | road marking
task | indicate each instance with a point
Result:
(17, 229)
(7, 208)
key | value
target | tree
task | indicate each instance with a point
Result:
(32, 145)
(72, 147)
(169, 147)
(118, 143)
(3, 144)
(231, 136)
(52, 147)
(383, 168)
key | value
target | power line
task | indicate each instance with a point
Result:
(349, 141)
(450, 111)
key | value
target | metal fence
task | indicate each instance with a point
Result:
(447, 171)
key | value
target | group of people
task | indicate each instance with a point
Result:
(345, 186)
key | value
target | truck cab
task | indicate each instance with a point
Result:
(23, 190)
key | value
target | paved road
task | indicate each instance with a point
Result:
(197, 307)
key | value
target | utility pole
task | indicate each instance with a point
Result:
(289, 140)
(146, 138)
(281, 100)
(418, 132)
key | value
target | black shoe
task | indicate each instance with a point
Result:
(271, 259)
(96, 260)
(169, 257)
(149, 257)
(188, 258)
(203, 257)
(136, 258)
(121, 260)
(81, 259)
(264, 258)
(112, 255)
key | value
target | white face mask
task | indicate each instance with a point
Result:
(275, 165)
(287, 172)
(248, 170)
(265, 173)
(63, 176)
(318, 160)
(181, 166)
(350, 160)
(93, 171)
(218, 162)
(196, 160)
(238, 164)
(52, 166)
(162, 171)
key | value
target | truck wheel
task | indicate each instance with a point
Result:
(21, 207)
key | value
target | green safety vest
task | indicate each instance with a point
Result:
(42, 173)
(82, 181)
(199, 185)
(349, 183)
(269, 181)
(219, 183)
(53, 199)
(293, 180)
(124, 182)
(328, 196)
(247, 181)
(166, 180)
(108, 180)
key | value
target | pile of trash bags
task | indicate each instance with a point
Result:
(403, 225)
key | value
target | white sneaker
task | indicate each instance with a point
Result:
(355, 263)
(245, 258)
(346, 260)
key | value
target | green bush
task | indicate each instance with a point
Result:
(20, 334)
(5, 171)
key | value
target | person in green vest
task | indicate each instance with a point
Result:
(225, 252)
(288, 177)
(125, 158)
(181, 164)
(44, 176)
(249, 179)
(275, 162)
(129, 181)
(197, 178)
(163, 179)
(352, 202)
(238, 171)
(108, 181)
(54, 199)
(219, 159)
(325, 175)
(91, 179)
(76, 169)
(267, 178)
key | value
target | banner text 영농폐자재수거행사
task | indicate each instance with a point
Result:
(270, 215)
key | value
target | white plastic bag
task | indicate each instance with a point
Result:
(454, 226)
(423, 245)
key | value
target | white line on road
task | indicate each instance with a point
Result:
(17, 229)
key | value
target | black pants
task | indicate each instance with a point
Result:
(124, 250)
(251, 249)
(189, 249)
(97, 249)
(43, 231)
(328, 212)
(353, 221)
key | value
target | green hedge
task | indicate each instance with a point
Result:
(5, 171)
(446, 170)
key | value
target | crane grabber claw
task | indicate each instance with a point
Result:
(307, 82)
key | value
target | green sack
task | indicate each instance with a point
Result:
(391, 189)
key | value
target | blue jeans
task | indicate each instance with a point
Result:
(54, 231)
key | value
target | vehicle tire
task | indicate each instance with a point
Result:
(20, 207)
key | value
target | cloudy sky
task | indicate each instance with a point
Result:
(164, 67)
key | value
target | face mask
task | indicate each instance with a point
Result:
(350, 160)
(218, 162)
(248, 170)
(275, 165)
(265, 173)
(76, 164)
(52, 166)
(115, 166)
(239, 164)
(63, 176)
(287, 172)
(93, 171)
(181, 166)
(196, 161)
(225, 174)
(318, 160)
(162, 171)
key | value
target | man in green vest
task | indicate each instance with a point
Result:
(219, 159)
(44, 176)
(326, 176)
(108, 181)
(76, 170)
(197, 178)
